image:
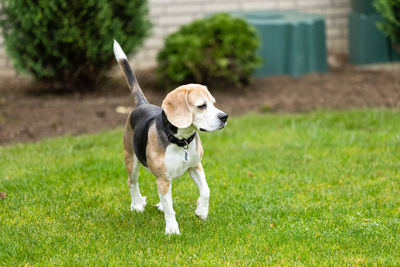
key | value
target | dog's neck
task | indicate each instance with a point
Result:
(179, 136)
(185, 133)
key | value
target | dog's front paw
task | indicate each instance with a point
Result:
(172, 228)
(138, 204)
(201, 212)
(202, 208)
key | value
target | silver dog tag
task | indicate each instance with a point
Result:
(186, 155)
(185, 148)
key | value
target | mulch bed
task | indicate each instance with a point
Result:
(29, 114)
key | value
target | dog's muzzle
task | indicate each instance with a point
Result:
(223, 118)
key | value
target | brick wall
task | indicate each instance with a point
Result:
(6, 68)
(168, 15)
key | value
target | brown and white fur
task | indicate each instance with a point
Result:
(186, 109)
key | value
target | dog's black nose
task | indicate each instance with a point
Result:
(223, 117)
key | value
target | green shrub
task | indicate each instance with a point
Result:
(217, 51)
(69, 42)
(390, 11)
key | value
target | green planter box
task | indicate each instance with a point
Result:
(291, 42)
(363, 7)
(367, 44)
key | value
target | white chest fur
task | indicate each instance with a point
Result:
(175, 162)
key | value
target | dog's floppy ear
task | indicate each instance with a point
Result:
(177, 109)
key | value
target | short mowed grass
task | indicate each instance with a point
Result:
(310, 189)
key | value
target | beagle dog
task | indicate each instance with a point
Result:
(166, 142)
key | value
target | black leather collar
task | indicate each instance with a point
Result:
(170, 130)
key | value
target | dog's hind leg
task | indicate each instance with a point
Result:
(138, 202)
(132, 164)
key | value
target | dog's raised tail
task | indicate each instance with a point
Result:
(129, 75)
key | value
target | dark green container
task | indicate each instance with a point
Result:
(363, 7)
(367, 44)
(291, 42)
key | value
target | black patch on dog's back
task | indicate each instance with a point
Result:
(141, 119)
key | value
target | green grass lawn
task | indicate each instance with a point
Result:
(309, 189)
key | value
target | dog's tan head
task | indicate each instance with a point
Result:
(192, 104)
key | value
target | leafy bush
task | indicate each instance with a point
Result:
(69, 42)
(390, 11)
(218, 51)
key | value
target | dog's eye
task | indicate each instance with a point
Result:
(204, 106)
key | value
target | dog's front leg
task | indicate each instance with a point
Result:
(165, 194)
(199, 178)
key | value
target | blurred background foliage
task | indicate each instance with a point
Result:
(68, 43)
(390, 11)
